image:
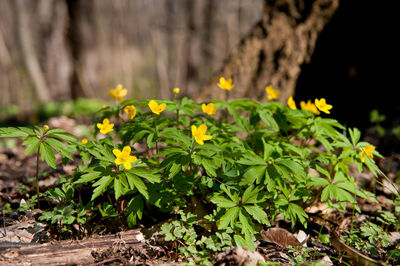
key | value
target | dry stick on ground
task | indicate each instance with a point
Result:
(66, 251)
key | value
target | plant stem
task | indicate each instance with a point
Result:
(156, 131)
(37, 176)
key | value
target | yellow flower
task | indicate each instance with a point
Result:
(309, 106)
(323, 106)
(176, 90)
(46, 127)
(124, 157)
(106, 126)
(118, 93)
(291, 103)
(131, 111)
(225, 84)
(84, 141)
(199, 134)
(271, 93)
(157, 108)
(367, 151)
(209, 108)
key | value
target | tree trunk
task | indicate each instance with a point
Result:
(274, 50)
(83, 45)
(28, 50)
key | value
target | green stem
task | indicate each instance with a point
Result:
(37, 176)
(156, 131)
(190, 154)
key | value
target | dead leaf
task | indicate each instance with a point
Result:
(280, 237)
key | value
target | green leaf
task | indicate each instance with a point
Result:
(175, 168)
(48, 155)
(257, 213)
(296, 168)
(118, 188)
(318, 182)
(267, 116)
(209, 166)
(355, 135)
(101, 186)
(136, 182)
(150, 140)
(88, 177)
(250, 158)
(32, 145)
(248, 242)
(134, 210)
(146, 174)
(12, 132)
(253, 173)
(176, 135)
(222, 202)
(247, 229)
(229, 218)
(64, 136)
(63, 149)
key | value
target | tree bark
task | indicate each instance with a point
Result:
(274, 50)
(30, 57)
(83, 45)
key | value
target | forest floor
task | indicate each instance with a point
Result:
(21, 235)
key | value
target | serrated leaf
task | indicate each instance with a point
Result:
(118, 187)
(147, 174)
(88, 177)
(60, 147)
(64, 136)
(48, 155)
(247, 229)
(136, 182)
(32, 145)
(209, 166)
(229, 218)
(12, 132)
(318, 182)
(251, 158)
(257, 213)
(101, 186)
(134, 210)
(175, 168)
(150, 140)
(222, 202)
(253, 173)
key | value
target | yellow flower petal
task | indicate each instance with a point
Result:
(132, 159)
(202, 129)
(322, 105)
(84, 141)
(271, 93)
(117, 152)
(118, 161)
(207, 137)
(127, 165)
(126, 150)
(291, 103)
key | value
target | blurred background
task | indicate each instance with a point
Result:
(61, 50)
(55, 51)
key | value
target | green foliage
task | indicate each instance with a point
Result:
(369, 237)
(263, 160)
(183, 235)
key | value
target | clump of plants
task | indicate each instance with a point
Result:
(222, 169)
